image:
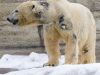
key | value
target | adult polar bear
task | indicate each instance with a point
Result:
(71, 22)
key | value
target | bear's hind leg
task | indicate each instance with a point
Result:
(72, 50)
(89, 55)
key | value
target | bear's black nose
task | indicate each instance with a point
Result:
(13, 21)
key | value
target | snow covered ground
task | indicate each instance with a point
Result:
(33, 65)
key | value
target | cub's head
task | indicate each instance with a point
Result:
(29, 12)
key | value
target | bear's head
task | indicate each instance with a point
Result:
(24, 15)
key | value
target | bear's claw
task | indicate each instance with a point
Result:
(48, 64)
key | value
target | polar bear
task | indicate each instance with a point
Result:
(72, 22)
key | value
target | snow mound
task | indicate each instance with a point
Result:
(33, 65)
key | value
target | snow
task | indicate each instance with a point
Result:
(33, 65)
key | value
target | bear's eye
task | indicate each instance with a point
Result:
(33, 6)
(16, 10)
(44, 4)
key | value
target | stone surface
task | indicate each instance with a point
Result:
(15, 36)
(6, 70)
(94, 5)
(12, 1)
(97, 5)
(87, 3)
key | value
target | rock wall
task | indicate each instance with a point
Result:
(94, 5)
(12, 1)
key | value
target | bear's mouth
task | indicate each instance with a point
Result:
(15, 22)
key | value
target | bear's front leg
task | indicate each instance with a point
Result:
(72, 50)
(51, 39)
